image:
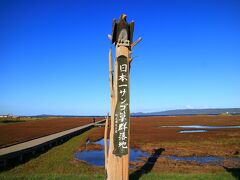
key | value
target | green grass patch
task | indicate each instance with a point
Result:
(58, 160)
(52, 177)
(172, 176)
(59, 163)
(150, 176)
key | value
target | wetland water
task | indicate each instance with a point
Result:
(96, 157)
(192, 131)
(205, 159)
(200, 129)
(204, 127)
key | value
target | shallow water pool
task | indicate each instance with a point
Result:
(205, 159)
(96, 157)
(192, 131)
(203, 127)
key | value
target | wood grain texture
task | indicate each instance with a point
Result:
(105, 142)
(117, 167)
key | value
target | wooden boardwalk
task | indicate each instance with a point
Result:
(19, 149)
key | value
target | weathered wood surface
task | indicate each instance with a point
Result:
(117, 157)
(105, 142)
(117, 167)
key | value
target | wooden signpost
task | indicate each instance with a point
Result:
(117, 155)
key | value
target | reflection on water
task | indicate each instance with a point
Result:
(205, 159)
(96, 157)
(200, 128)
(203, 127)
(198, 159)
(91, 157)
(192, 131)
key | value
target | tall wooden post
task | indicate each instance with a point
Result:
(117, 158)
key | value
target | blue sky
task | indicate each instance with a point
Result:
(54, 55)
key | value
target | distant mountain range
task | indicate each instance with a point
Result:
(191, 112)
(176, 112)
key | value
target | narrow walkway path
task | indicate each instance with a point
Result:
(43, 140)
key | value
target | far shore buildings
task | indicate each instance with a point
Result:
(3, 116)
(7, 116)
